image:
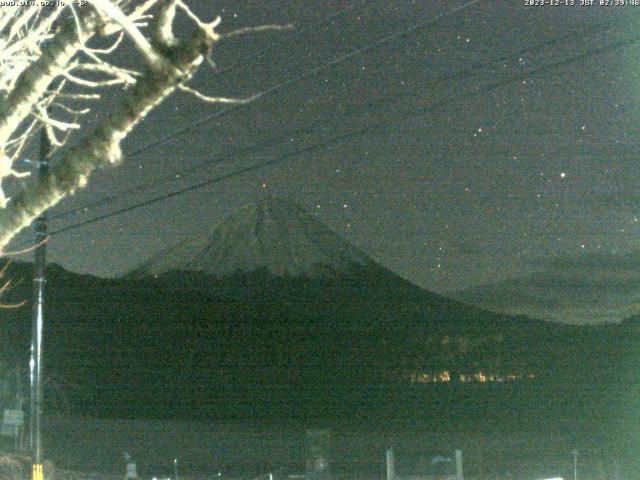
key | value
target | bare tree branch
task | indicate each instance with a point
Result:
(111, 10)
(102, 147)
(261, 28)
(38, 77)
(208, 99)
(35, 80)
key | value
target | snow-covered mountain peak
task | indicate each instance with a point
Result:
(273, 234)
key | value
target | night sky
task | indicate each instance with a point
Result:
(504, 153)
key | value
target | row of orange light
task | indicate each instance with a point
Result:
(479, 377)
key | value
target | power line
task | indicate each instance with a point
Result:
(276, 88)
(282, 138)
(469, 232)
(345, 136)
(208, 182)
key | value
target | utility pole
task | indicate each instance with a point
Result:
(39, 280)
(459, 474)
(391, 465)
(575, 464)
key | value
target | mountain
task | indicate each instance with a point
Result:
(273, 252)
(273, 315)
(274, 235)
(588, 288)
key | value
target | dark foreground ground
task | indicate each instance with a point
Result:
(521, 430)
(247, 450)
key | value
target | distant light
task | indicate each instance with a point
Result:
(562, 174)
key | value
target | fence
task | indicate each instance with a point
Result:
(506, 463)
(238, 452)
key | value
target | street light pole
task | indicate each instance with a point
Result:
(39, 280)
